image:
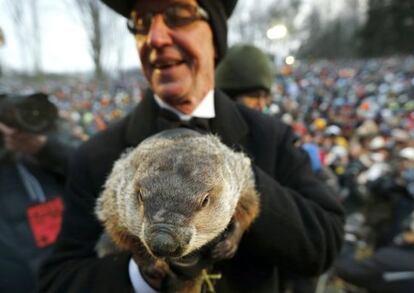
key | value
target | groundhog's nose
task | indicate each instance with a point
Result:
(163, 244)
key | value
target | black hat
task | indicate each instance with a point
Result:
(218, 11)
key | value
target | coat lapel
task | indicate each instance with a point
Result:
(142, 122)
(229, 124)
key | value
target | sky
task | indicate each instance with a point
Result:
(64, 40)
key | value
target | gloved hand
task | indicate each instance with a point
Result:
(22, 142)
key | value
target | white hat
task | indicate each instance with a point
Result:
(400, 135)
(377, 143)
(368, 128)
(333, 130)
(407, 153)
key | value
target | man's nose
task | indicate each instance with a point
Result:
(159, 33)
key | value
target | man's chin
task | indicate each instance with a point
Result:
(176, 95)
(180, 103)
(169, 90)
(170, 93)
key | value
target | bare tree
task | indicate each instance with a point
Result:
(91, 17)
(25, 18)
(102, 29)
(16, 12)
(36, 44)
(251, 22)
(2, 38)
(247, 24)
(337, 32)
(2, 42)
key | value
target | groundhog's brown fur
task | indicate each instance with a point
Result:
(174, 194)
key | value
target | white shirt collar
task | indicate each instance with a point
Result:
(204, 110)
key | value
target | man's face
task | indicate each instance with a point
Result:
(256, 99)
(253, 102)
(178, 62)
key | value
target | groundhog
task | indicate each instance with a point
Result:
(177, 199)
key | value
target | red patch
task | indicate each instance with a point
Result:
(45, 220)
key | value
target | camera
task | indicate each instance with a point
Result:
(32, 113)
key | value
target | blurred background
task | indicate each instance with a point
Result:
(68, 36)
(343, 79)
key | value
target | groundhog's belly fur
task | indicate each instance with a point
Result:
(179, 202)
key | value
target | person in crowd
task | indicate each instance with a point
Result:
(390, 268)
(300, 226)
(32, 174)
(246, 75)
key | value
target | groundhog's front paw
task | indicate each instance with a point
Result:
(227, 248)
(153, 275)
(224, 250)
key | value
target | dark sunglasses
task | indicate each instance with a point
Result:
(175, 15)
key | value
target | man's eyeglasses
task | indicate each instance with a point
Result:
(175, 15)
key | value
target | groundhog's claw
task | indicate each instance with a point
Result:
(224, 250)
(227, 248)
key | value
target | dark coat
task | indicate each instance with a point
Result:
(299, 228)
(20, 257)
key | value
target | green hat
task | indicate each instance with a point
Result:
(245, 68)
(218, 11)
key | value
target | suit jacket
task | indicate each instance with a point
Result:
(299, 228)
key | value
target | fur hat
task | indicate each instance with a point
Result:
(218, 11)
(245, 68)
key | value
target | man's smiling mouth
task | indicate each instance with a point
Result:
(166, 64)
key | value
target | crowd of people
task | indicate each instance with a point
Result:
(362, 110)
(356, 121)
(85, 104)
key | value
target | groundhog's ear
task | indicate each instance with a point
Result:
(118, 183)
(129, 161)
(128, 166)
(122, 175)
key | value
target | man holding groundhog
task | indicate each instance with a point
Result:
(299, 228)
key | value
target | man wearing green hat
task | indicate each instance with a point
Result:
(299, 228)
(246, 75)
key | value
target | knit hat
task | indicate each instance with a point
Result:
(218, 10)
(245, 68)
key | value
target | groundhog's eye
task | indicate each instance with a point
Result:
(206, 200)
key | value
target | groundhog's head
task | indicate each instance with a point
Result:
(175, 192)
